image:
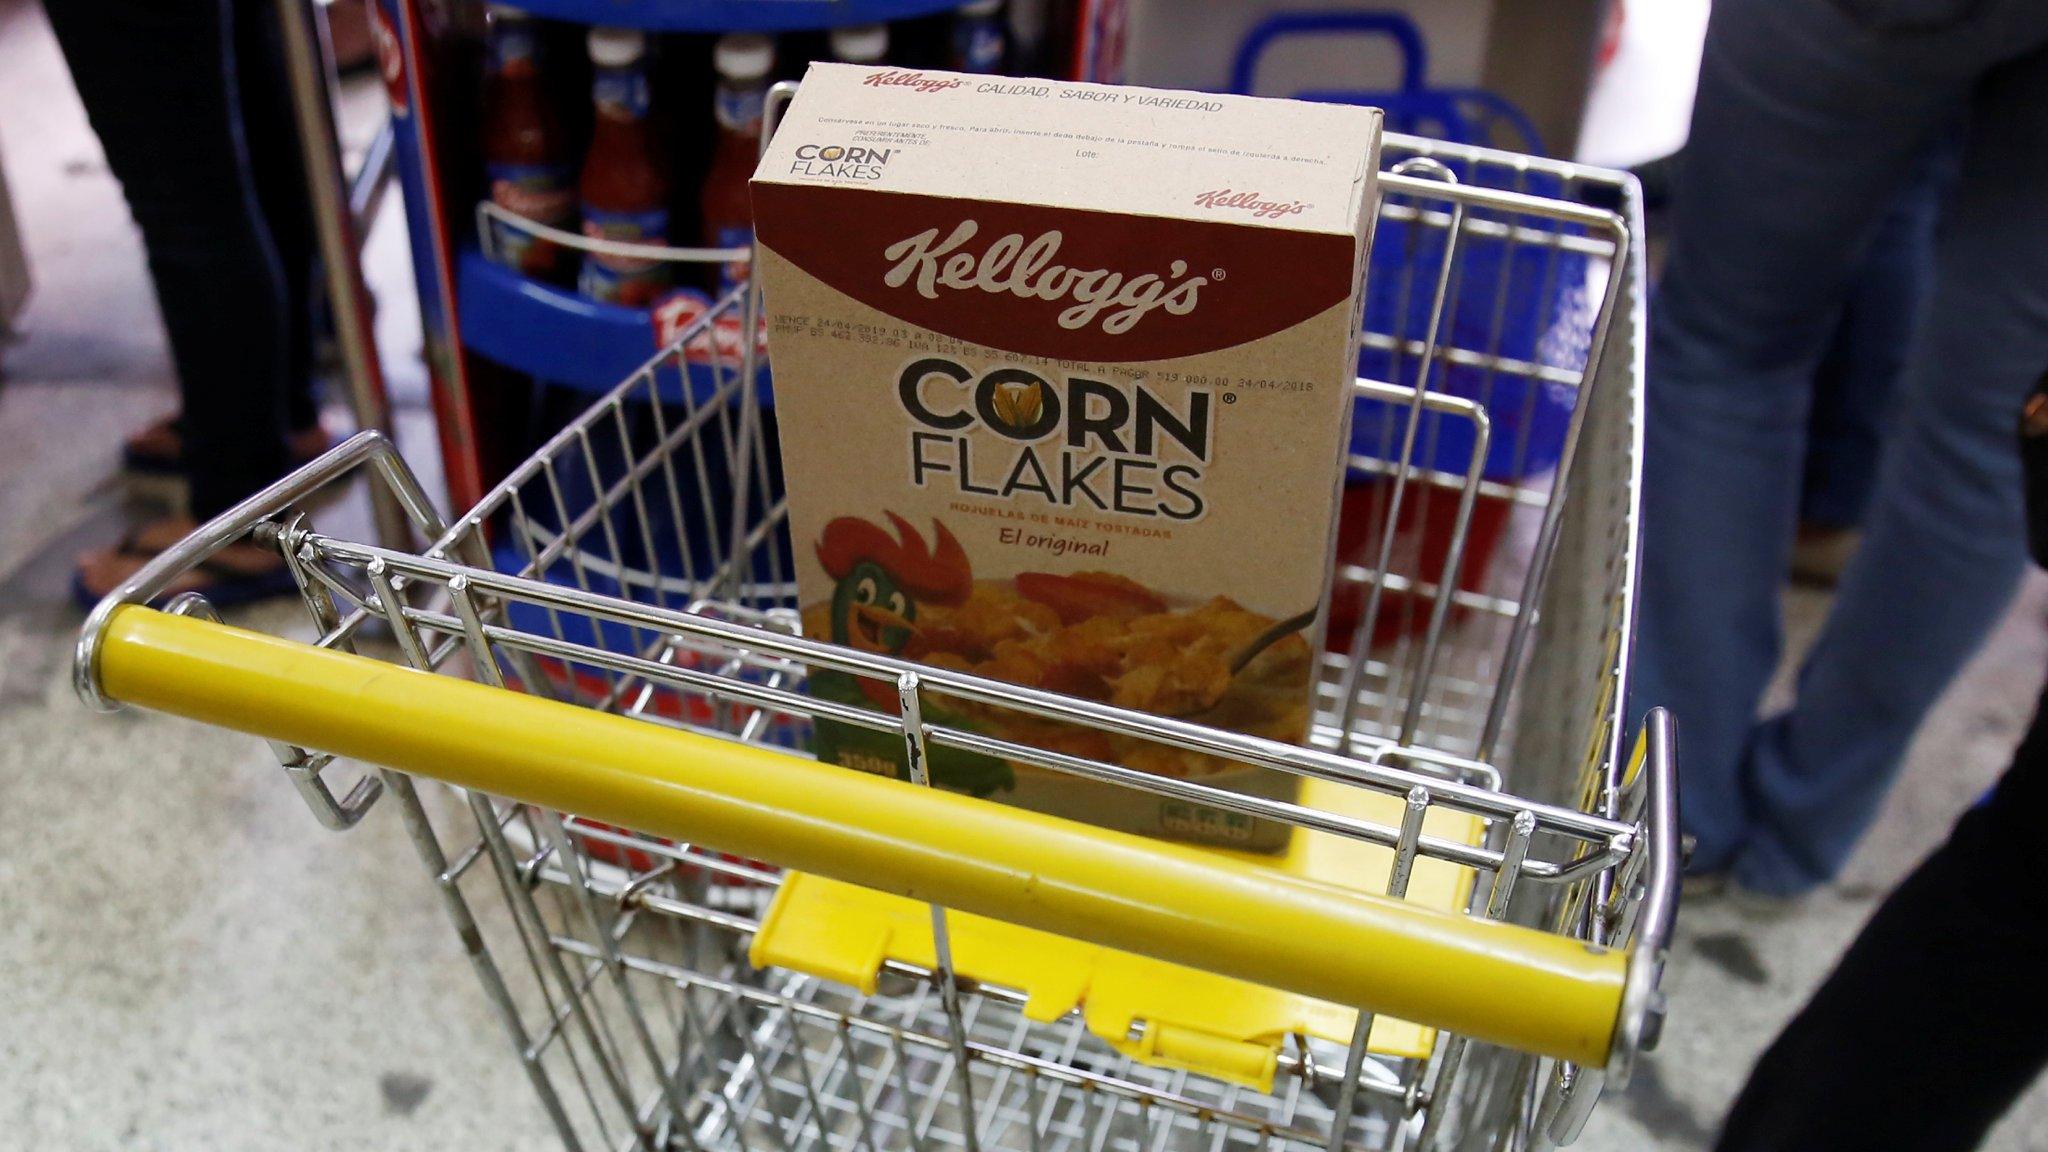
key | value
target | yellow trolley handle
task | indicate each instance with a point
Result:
(1496, 982)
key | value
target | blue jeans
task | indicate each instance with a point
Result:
(1809, 118)
(1853, 386)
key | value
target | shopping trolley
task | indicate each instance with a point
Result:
(697, 937)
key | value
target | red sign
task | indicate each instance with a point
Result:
(390, 60)
(720, 343)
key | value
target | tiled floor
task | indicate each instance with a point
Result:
(187, 962)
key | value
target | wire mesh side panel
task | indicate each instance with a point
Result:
(1568, 718)
(1483, 319)
(667, 494)
(1569, 741)
(1530, 685)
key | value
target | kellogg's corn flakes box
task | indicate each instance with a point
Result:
(1062, 376)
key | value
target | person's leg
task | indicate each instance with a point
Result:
(279, 175)
(1945, 539)
(1853, 386)
(157, 80)
(1937, 1017)
(1804, 129)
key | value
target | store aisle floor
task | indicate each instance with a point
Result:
(192, 964)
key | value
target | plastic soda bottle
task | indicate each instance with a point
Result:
(526, 154)
(743, 61)
(978, 37)
(861, 43)
(625, 186)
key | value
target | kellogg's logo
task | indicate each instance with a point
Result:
(1014, 267)
(1252, 202)
(896, 78)
(1037, 280)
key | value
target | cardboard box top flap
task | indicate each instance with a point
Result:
(1282, 164)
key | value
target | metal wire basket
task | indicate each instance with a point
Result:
(696, 937)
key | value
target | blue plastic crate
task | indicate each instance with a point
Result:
(1506, 301)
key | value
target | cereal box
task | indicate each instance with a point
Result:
(1062, 377)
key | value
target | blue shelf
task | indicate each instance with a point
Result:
(555, 335)
(733, 15)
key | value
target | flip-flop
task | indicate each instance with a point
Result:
(149, 463)
(230, 586)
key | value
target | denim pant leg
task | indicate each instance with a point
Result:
(1945, 538)
(1804, 130)
(1855, 383)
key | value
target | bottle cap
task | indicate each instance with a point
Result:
(616, 47)
(981, 8)
(743, 56)
(860, 43)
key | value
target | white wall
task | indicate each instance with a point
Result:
(1641, 105)
(1190, 44)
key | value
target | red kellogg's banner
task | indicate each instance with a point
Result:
(1055, 281)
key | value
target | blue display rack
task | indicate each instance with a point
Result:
(733, 15)
(468, 306)
(553, 334)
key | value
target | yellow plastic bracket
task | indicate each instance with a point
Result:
(1159, 1013)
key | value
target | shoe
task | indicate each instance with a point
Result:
(1821, 552)
(1698, 886)
(1762, 907)
(1659, 180)
(1723, 889)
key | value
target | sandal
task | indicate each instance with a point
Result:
(241, 573)
(159, 450)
